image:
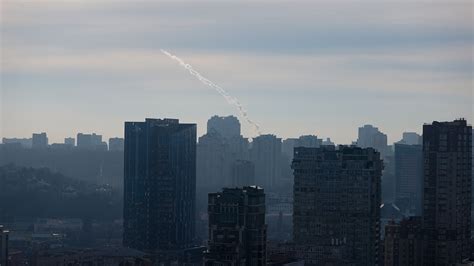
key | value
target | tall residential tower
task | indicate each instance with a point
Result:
(337, 204)
(447, 192)
(159, 185)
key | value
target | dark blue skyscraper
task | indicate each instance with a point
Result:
(447, 193)
(159, 185)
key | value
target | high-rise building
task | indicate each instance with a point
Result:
(238, 148)
(243, 173)
(287, 149)
(328, 142)
(90, 141)
(370, 137)
(388, 180)
(159, 185)
(266, 155)
(409, 177)
(237, 229)
(287, 146)
(403, 242)
(337, 204)
(116, 144)
(39, 140)
(213, 162)
(227, 126)
(411, 138)
(3, 246)
(447, 192)
(70, 141)
(218, 150)
(309, 141)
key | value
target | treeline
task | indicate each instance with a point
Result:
(99, 167)
(40, 192)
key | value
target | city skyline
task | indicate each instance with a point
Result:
(250, 133)
(299, 71)
(202, 131)
(335, 206)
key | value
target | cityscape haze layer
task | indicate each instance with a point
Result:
(297, 68)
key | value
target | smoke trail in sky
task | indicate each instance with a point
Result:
(230, 99)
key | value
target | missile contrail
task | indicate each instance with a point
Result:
(230, 99)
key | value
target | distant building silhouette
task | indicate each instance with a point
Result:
(70, 141)
(159, 185)
(213, 161)
(403, 242)
(90, 142)
(307, 141)
(39, 140)
(227, 126)
(337, 204)
(243, 173)
(238, 148)
(25, 142)
(237, 229)
(370, 137)
(287, 150)
(409, 177)
(328, 142)
(266, 155)
(116, 144)
(389, 179)
(411, 138)
(447, 192)
(287, 146)
(218, 150)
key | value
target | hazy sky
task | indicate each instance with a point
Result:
(316, 67)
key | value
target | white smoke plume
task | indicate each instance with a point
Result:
(230, 99)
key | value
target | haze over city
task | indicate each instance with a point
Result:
(321, 68)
